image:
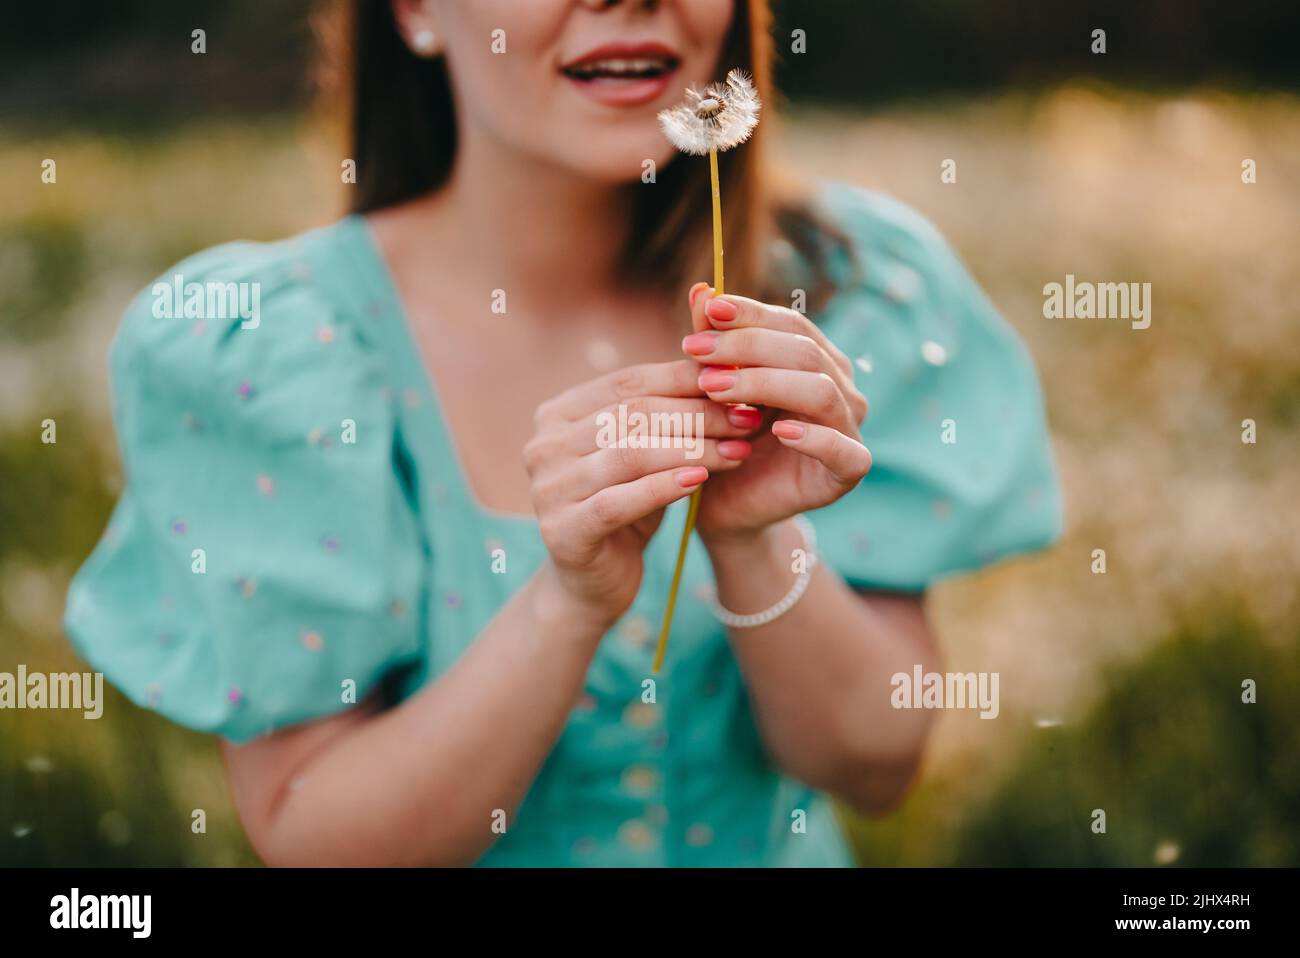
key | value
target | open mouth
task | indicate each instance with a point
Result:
(624, 74)
(621, 68)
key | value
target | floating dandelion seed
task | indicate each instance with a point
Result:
(39, 765)
(712, 120)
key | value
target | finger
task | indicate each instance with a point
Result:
(696, 296)
(614, 507)
(700, 295)
(739, 415)
(619, 464)
(738, 312)
(814, 396)
(648, 379)
(654, 417)
(759, 346)
(844, 457)
(576, 479)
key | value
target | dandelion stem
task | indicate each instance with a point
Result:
(694, 506)
(677, 580)
(717, 223)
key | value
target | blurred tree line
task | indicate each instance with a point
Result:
(131, 59)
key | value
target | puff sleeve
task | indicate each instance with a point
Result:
(962, 470)
(264, 557)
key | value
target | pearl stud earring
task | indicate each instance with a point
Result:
(423, 42)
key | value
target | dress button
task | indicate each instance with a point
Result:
(699, 835)
(635, 834)
(657, 815)
(641, 714)
(640, 779)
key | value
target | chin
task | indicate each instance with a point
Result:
(623, 163)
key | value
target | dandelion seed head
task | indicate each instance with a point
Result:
(708, 109)
(720, 116)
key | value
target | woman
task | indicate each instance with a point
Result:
(372, 541)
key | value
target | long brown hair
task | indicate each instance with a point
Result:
(400, 119)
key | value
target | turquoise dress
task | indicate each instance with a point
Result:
(295, 523)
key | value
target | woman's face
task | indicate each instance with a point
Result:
(575, 84)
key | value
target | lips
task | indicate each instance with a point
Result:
(623, 74)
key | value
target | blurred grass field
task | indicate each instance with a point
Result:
(1119, 691)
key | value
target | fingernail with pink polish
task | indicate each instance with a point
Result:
(787, 429)
(700, 344)
(744, 417)
(716, 380)
(690, 476)
(734, 448)
(721, 310)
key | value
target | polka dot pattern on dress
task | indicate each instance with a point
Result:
(934, 353)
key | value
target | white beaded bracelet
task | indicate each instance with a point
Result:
(734, 621)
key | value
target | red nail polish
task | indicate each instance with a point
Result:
(734, 448)
(700, 344)
(691, 476)
(744, 417)
(721, 310)
(716, 380)
(787, 429)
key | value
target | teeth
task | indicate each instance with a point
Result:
(620, 67)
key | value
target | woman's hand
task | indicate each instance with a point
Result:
(807, 451)
(598, 503)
